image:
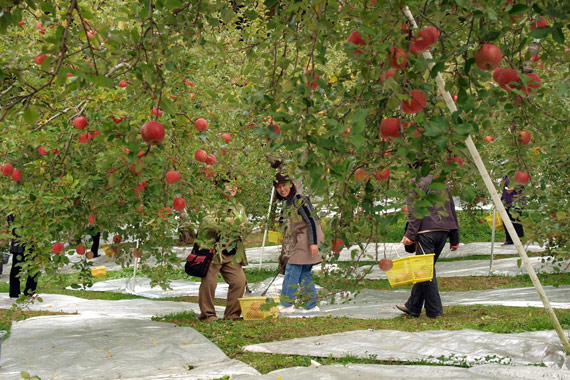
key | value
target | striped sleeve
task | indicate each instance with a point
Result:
(304, 210)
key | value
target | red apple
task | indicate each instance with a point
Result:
(7, 170)
(360, 174)
(524, 137)
(385, 264)
(481, 221)
(208, 171)
(42, 151)
(424, 39)
(179, 204)
(201, 155)
(382, 175)
(152, 132)
(137, 168)
(123, 84)
(40, 59)
(57, 248)
(137, 252)
(456, 159)
(337, 245)
(83, 138)
(384, 77)
(488, 57)
(172, 176)
(211, 159)
(496, 74)
(20, 23)
(489, 139)
(275, 128)
(201, 124)
(156, 111)
(522, 177)
(117, 120)
(508, 79)
(540, 23)
(164, 212)
(533, 82)
(89, 255)
(17, 175)
(80, 122)
(91, 219)
(390, 127)
(227, 137)
(356, 39)
(398, 58)
(80, 250)
(117, 239)
(416, 103)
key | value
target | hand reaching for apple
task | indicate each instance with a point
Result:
(406, 241)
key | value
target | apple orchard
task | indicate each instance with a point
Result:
(118, 116)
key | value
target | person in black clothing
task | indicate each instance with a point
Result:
(95, 246)
(513, 200)
(21, 252)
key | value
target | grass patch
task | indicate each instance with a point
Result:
(7, 316)
(231, 336)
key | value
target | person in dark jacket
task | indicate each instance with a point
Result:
(305, 235)
(430, 235)
(21, 252)
(513, 200)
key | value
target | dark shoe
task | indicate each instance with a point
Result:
(404, 309)
(435, 316)
(508, 243)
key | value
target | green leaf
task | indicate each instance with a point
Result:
(492, 35)
(172, 4)
(558, 35)
(101, 80)
(539, 33)
(436, 126)
(227, 14)
(436, 69)
(25, 375)
(31, 115)
(518, 10)
(357, 140)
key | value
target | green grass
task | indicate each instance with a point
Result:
(231, 336)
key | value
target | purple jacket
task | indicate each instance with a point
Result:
(437, 219)
(515, 196)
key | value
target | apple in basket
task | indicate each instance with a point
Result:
(403, 277)
(254, 311)
(421, 274)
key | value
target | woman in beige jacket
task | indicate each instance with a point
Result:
(305, 235)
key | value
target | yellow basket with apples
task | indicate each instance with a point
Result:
(275, 237)
(251, 308)
(98, 272)
(412, 269)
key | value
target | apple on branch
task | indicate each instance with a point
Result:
(488, 57)
(80, 122)
(152, 132)
(390, 127)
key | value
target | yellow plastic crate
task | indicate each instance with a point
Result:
(275, 237)
(410, 270)
(98, 271)
(251, 308)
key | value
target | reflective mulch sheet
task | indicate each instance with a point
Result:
(448, 347)
(387, 372)
(93, 347)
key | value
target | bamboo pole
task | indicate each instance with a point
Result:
(266, 224)
(496, 199)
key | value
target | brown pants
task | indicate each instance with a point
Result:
(235, 277)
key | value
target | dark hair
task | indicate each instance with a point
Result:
(280, 178)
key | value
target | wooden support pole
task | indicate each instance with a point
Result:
(496, 199)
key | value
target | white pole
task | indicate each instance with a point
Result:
(266, 224)
(492, 239)
(135, 270)
(496, 199)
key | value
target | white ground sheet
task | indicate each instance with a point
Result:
(436, 346)
(387, 372)
(111, 340)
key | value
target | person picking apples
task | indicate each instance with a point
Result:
(224, 228)
(513, 200)
(305, 234)
(430, 234)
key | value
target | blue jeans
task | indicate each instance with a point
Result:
(299, 278)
